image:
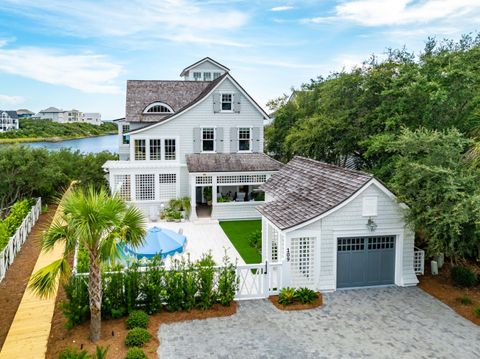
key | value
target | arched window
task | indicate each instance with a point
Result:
(158, 107)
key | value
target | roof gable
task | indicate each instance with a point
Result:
(205, 59)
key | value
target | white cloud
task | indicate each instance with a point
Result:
(89, 72)
(281, 8)
(6, 100)
(138, 20)
(400, 12)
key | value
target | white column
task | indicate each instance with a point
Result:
(265, 244)
(214, 190)
(193, 194)
(133, 185)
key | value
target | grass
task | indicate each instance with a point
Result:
(239, 232)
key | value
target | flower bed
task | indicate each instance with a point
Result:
(297, 299)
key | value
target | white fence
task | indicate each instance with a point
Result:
(258, 281)
(7, 255)
(419, 261)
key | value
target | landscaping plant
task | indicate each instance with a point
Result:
(465, 300)
(133, 279)
(305, 295)
(287, 296)
(113, 298)
(477, 311)
(135, 353)
(151, 285)
(137, 319)
(137, 337)
(206, 275)
(463, 276)
(96, 221)
(73, 353)
(255, 240)
(227, 282)
(190, 285)
(76, 308)
(174, 293)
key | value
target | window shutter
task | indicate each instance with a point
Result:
(219, 139)
(237, 102)
(196, 140)
(369, 206)
(256, 139)
(233, 139)
(216, 102)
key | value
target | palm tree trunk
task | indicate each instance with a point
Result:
(95, 294)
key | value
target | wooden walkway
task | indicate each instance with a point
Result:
(28, 335)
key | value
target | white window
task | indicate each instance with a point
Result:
(155, 150)
(122, 186)
(216, 75)
(208, 139)
(227, 102)
(167, 186)
(140, 150)
(197, 76)
(207, 76)
(158, 107)
(244, 139)
(145, 187)
(170, 149)
(369, 207)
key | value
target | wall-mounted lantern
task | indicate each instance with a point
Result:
(371, 225)
(288, 254)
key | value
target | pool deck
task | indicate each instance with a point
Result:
(202, 237)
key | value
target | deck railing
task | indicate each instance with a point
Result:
(419, 261)
(7, 255)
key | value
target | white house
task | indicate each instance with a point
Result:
(93, 118)
(200, 137)
(334, 227)
(71, 116)
(53, 114)
(8, 121)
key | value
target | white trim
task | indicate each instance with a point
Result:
(250, 140)
(259, 109)
(373, 181)
(221, 101)
(198, 63)
(158, 103)
(214, 128)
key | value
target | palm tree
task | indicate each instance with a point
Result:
(97, 222)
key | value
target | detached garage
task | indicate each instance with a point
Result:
(334, 228)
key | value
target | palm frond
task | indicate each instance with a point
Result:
(132, 227)
(43, 282)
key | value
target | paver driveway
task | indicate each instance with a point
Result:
(373, 323)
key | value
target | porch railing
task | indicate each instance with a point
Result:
(419, 261)
(15, 243)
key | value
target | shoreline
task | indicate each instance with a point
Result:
(11, 141)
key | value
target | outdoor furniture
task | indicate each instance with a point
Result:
(240, 197)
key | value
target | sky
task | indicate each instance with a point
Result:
(79, 54)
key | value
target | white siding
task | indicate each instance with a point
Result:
(349, 219)
(232, 211)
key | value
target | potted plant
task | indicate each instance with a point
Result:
(207, 193)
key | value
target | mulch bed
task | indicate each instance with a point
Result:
(114, 331)
(442, 288)
(296, 306)
(13, 285)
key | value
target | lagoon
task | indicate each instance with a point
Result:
(84, 145)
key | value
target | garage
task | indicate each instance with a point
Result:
(365, 261)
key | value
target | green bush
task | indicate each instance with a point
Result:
(151, 287)
(255, 240)
(113, 296)
(227, 282)
(287, 296)
(135, 353)
(463, 276)
(137, 337)
(173, 292)
(137, 319)
(73, 353)
(477, 311)
(305, 295)
(76, 308)
(15, 217)
(206, 276)
(465, 300)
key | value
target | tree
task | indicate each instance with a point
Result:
(98, 223)
(432, 178)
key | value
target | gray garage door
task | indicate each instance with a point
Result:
(365, 261)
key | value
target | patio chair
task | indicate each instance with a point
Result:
(240, 197)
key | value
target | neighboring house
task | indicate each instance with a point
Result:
(93, 118)
(53, 114)
(8, 121)
(335, 228)
(72, 116)
(200, 137)
(24, 113)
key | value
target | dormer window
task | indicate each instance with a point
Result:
(227, 102)
(197, 76)
(216, 75)
(158, 108)
(207, 76)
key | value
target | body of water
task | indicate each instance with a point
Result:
(84, 145)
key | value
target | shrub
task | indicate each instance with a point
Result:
(174, 294)
(132, 280)
(477, 311)
(76, 309)
(137, 319)
(100, 353)
(135, 353)
(305, 295)
(465, 300)
(255, 240)
(287, 296)
(227, 282)
(190, 285)
(151, 285)
(206, 276)
(463, 276)
(137, 337)
(113, 296)
(73, 353)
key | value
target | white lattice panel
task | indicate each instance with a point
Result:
(302, 252)
(229, 179)
(122, 186)
(167, 186)
(145, 187)
(203, 179)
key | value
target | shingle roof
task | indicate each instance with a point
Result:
(51, 110)
(24, 111)
(304, 189)
(177, 94)
(12, 114)
(231, 162)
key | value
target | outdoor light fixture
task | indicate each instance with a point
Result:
(288, 254)
(371, 225)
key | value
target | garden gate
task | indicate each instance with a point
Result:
(257, 281)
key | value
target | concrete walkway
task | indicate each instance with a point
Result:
(365, 323)
(28, 334)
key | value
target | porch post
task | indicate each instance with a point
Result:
(214, 190)
(286, 263)
(193, 199)
(265, 237)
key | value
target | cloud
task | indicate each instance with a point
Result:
(88, 72)
(281, 8)
(136, 20)
(399, 12)
(6, 100)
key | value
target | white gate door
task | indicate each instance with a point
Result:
(257, 281)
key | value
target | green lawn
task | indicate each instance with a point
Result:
(239, 232)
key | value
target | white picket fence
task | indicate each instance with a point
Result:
(7, 255)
